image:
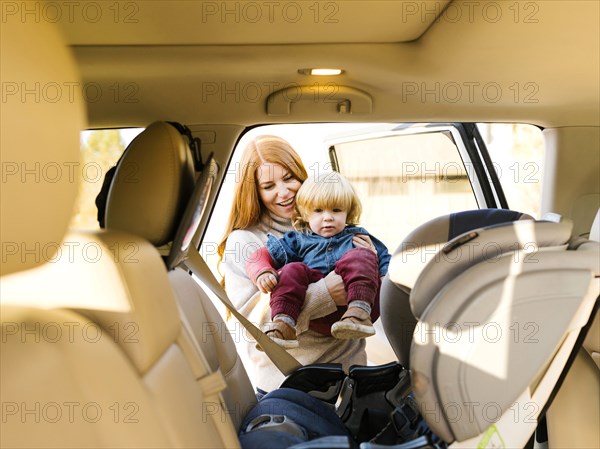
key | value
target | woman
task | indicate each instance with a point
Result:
(269, 175)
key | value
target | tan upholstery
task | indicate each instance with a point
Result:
(152, 184)
(39, 141)
(139, 320)
(94, 349)
(417, 249)
(482, 315)
(592, 342)
(217, 345)
(148, 322)
(165, 156)
(575, 412)
(70, 389)
(595, 231)
(110, 282)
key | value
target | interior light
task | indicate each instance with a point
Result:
(321, 72)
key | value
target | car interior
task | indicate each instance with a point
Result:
(119, 336)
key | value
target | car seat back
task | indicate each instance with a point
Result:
(572, 419)
(409, 260)
(124, 301)
(164, 159)
(94, 353)
(500, 310)
(63, 382)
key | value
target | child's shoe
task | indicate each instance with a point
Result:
(281, 333)
(355, 323)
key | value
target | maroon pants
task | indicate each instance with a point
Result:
(359, 269)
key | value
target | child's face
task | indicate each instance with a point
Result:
(327, 222)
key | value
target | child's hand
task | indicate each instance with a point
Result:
(363, 241)
(266, 282)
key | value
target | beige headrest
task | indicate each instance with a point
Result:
(481, 245)
(152, 185)
(42, 114)
(116, 279)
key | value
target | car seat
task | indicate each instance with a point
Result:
(55, 384)
(409, 259)
(499, 310)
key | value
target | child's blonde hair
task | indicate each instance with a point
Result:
(326, 191)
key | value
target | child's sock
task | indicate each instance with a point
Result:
(362, 304)
(286, 319)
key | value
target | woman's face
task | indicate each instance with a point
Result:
(277, 189)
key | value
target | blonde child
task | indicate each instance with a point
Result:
(327, 211)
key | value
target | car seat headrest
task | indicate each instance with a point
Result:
(485, 244)
(152, 184)
(41, 122)
(421, 245)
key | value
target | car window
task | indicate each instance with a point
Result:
(100, 150)
(517, 152)
(405, 180)
(405, 174)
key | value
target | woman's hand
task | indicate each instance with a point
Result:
(363, 241)
(335, 286)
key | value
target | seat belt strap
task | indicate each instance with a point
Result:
(211, 383)
(279, 356)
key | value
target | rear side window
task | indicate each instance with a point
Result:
(100, 150)
(517, 152)
(405, 180)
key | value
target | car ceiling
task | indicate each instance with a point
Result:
(217, 62)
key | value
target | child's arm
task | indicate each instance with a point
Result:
(374, 244)
(259, 267)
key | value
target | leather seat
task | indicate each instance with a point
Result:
(57, 381)
(162, 158)
(126, 308)
(94, 349)
(151, 208)
(149, 348)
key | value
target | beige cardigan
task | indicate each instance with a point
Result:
(314, 347)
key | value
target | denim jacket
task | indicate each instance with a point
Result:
(321, 253)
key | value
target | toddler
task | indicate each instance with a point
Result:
(327, 211)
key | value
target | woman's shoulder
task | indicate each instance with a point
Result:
(246, 235)
(240, 244)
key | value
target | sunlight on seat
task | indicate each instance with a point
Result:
(83, 274)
